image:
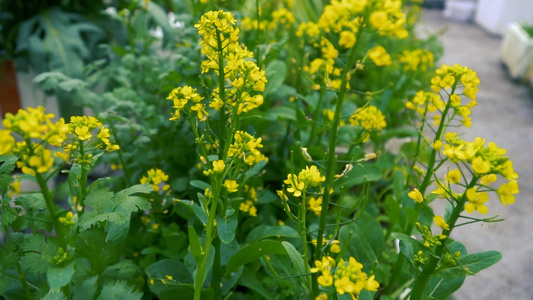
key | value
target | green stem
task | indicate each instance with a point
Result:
(315, 116)
(221, 91)
(331, 156)
(431, 265)
(397, 270)
(208, 239)
(50, 205)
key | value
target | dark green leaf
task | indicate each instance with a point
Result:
(254, 251)
(85, 289)
(202, 185)
(264, 231)
(195, 209)
(249, 280)
(282, 113)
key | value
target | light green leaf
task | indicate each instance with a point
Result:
(281, 113)
(85, 289)
(226, 227)
(59, 277)
(275, 71)
(130, 202)
(299, 265)
(119, 290)
(199, 184)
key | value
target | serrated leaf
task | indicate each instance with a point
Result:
(54, 295)
(31, 201)
(119, 290)
(130, 202)
(298, 264)
(5, 282)
(9, 254)
(8, 163)
(85, 289)
(123, 270)
(226, 227)
(254, 251)
(264, 231)
(59, 277)
(100, 199)
(39, 253)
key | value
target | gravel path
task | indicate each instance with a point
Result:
(504, 115)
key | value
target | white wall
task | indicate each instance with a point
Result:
(496, 15)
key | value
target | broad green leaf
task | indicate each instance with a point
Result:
(8, 163)
(59, 277)
(282, 113)
(170, 270)
(265, 231)
(5, 282)
(85, 289)
(254, 170)
(130, 202)
(441, 287)
(122, 270)
(54, 295)
(249, 280)
(199, 184)
(31, 201)
(194, 244)
(299, 265)
(365, 238)
(119, 290)
(254, 251)
(472, 263)
(194, 208)
(275, 72)
(405, 238)
(39, 253)
(168, 291)
(399, 184)
(99, 198)
(226, 227)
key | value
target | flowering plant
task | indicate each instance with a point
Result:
(289, 188)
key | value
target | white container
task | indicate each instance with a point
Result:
(517, 52)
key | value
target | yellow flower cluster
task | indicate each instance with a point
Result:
(307, 178)
(379, 56)
(181, 96)
(347, 277)
(369, 118)
(220, 45)
(486, 162)
(281, 18)
(340, 22)
(157, 179)
(38, 131)
(250, 197)
(246, 147)
(418, 59)
(430, 240)
(453, 78)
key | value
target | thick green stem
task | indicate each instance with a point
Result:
(221, 91)
(431, 265)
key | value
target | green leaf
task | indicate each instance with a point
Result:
(8, 164)
(194, 244)
(39, 253)
(254, 251)
(166, 268)
(119, 290)
(399, 185)
(275, 72)
(195, 209)
(249, 280)
(472, 263)
(281, 113)
(85, 289)
(359, 174)
(254, 170)
(59, 277)
(100, 199)
(299, 265)
(123, 270)
(31, 201)
(5, 282)
(265, 231)
(130, 202)
(226, 227)
(54, 295)
(199, 184)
